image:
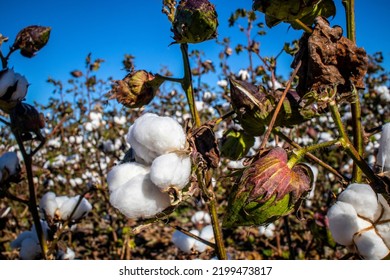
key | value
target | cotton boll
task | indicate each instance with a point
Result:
(268, 231)
(343, 222)
(68, 206)
(159, 134)
(139, 198)
(21, 88)
(61, 199)
(362, 198)
(17, 243)
(183, 241)
(30, 249)
(48, 204)
(383, 157)
(370, 246)
(124, 172)
(68, 255)
(142, 154)
(171, 170)
(207, 234)
(201, 217)
(10, 161)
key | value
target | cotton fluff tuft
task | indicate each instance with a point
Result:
(360, 218)
(183, 241)
(207, 234)
(139, 198)
(200, 218)
(152, 135)
(366, 207)
(10, 161)
(170, 170)
(383, 157)
(122, 173)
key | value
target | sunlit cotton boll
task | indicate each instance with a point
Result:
(152, 135)
(68, 207)
(122, 173)
(139, 198)
(8, 80)
(370, 245)
(268, 230)
(48, 204)
(383, 157)
(171, 170)
(207, 234)
(343, 222)
(363, 199)
(10, 161)
(200, 218)
(184, 242)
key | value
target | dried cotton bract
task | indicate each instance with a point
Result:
(359, 220)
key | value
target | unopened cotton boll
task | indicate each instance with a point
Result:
(123, 173)
(184, 242)
(363, 199)
(170, 170)
(139, 198)
(160, 135)
(343, 222)
(370, 245)
(383, 157)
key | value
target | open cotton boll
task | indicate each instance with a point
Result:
(383, 157)
(61, 199)
(142, 154)
(201, 217)
(139, 198)
(48, 204)
(171, 170)
(68, 206)
(370, 245)
(68, 255)
(362, 198)
(184, 242)
(21, 88)
(159, 134)
(124, 172)
(207, 234)
(10, 161)
(30, 249)
(343, 222)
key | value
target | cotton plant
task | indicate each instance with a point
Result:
(141, 188)
(188, 244)
(360, 221)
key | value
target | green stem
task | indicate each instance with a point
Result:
(376, 183)
(186, 83)
(300, 153)
(306, 28)
(205, 182)
(358, 142)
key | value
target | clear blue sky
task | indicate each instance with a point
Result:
(110, 29)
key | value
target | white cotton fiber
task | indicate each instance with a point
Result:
(142, 154)
(48, 204)
(171, 170)
(201, 217)
(68, 206)
(370, 245)
(157, 134)
(139, 198)
(343, 222)
(183, 241)
(207, 234)
(383, 157)
(362, 198)
(10, 161)
(124, 172)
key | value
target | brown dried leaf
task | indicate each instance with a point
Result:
(329, 59)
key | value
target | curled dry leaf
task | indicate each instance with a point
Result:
(329, 60)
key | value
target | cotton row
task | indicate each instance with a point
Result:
(139, 189)
(360, 220)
